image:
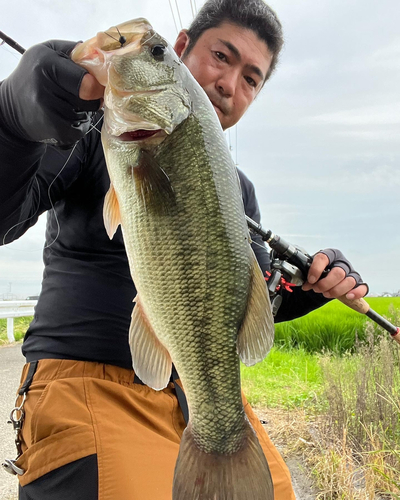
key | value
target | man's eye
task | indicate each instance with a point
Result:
(250, 81)
(220, 56)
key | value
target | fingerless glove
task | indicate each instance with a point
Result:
(40, 102)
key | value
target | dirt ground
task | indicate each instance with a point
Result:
(274, 421)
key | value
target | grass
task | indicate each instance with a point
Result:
(20, 327)
(362, 427)
(284, 379)
(342, 412)
(334, 327)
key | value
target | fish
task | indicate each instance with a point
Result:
(202, 302)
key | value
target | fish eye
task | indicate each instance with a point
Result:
(158, 52)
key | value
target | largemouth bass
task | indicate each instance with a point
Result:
(202, 301)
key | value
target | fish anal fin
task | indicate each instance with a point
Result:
(111, 212)
(243, 475)
(256, 334)
(151, 360)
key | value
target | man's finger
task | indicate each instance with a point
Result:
(319, 263)
(90, 88)
(357, 293)
(332, 279)
(335, 277)
(340, 289)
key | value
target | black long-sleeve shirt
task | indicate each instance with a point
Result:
(85, 305)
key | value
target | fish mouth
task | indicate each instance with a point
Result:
(138, 135)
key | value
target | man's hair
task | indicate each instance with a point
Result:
(251, 14)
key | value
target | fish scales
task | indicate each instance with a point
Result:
(193, 275)
(202, 299)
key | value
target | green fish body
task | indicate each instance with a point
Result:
(202, 303)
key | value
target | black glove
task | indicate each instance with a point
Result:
(40, 102)
(337, 259)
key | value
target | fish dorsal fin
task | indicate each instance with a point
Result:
(256, 334)
(111, 213)
(151, 360)
(155, 186)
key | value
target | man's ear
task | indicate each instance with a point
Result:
(181, 43)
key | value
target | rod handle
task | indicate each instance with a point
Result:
(362, 306)
(359, 305)
(396, 336)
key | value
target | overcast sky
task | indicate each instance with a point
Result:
(321, 142)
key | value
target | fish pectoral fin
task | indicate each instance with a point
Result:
(155, 186)
(111, 213)
(150, 359)
(256, 334)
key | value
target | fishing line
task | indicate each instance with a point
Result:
(3, 44)
(192, 7)
(26, 220)
(93, 127)
(148, 39)
(173, 15)
(122, 39)
(179, 14)
(113, 37)
(229, 140)
(258, 244)
(51, 202)
(236, 141)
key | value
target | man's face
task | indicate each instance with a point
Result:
(230, 63)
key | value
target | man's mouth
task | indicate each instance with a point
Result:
(217, 108)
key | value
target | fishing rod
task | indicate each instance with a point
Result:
(290, 263)
(12, 43)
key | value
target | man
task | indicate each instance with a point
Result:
(91, 429)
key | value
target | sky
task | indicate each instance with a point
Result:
(320, 143)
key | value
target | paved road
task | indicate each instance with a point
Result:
(11, 363)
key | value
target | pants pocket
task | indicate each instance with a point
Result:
(57, 429)
(77, 480)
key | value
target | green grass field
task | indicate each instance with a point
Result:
(291, 375)
(334, 327)
(284, 379)
(20, 327)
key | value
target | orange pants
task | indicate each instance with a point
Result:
(75, 409)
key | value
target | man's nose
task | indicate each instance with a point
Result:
(226, 83)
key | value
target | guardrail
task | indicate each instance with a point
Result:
(11, 309)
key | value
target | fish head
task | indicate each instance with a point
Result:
(146, 84)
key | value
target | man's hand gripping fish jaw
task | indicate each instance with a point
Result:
(138, 108)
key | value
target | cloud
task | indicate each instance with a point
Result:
(362, 180)
(321, 143)
(21, 270)
(386, 114)
(378, 136)
(387, 56)
(29, 246)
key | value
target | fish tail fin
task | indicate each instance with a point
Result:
(243, 475)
